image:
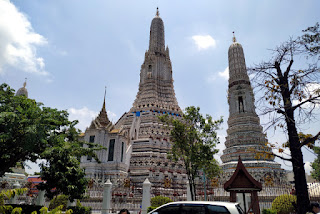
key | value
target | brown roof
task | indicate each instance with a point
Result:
(242, 180)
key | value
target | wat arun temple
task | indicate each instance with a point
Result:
(138, 143)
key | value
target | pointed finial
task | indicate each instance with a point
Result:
(234, 37)
(104, 99)
(157, 14)
(25, 83)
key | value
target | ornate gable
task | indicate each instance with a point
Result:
(102, 121)
(242, 180)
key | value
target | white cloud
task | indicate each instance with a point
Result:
(204, 42)
(308, 167)
(212, 78)
(112, 116)
(32, 167)
(18, 41)
(85, 116)
(312, 89)
(225, 73)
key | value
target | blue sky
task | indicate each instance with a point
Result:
(70, 50)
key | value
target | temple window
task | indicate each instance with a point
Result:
(240, 102)
(122, 150)
(111, 150)
(91, 138)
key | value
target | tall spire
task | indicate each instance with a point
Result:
(102, 121)
(245, 136)
(102, 118)
(104, 99)
(156, 84)
(156, 42)
(237, 63)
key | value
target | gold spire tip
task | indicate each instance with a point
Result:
(25, 83)
(234, 37)
(157, 13)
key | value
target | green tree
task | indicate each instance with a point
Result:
(25, 128)
(30, 131)
(315, 173)
(62, 171)
(157, 201)
(291, 91)
(59, 200)
(194, 139)
(311, 39)
(284, 204)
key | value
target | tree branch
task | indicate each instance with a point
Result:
(309, 140)
(280, 111)
(283, 158)
(279, 72)
(304, 102)
(288, 69)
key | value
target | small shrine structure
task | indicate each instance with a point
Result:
(244, 188)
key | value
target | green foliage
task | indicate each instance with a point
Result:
(194, 139)
(30, 131)
(159, 200)
(78, 204)
(149, 209)
(12, 192)
(16, 210)
(60, 200)
(25, 128)
(1, 199)
(6, 209)
(284, 204)
(71, 212)
(44, 210)
(80, 210)
(57, 210)
(26, 208)
(311, 39)
(62, 171)
(269, 211)
(315, 173)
